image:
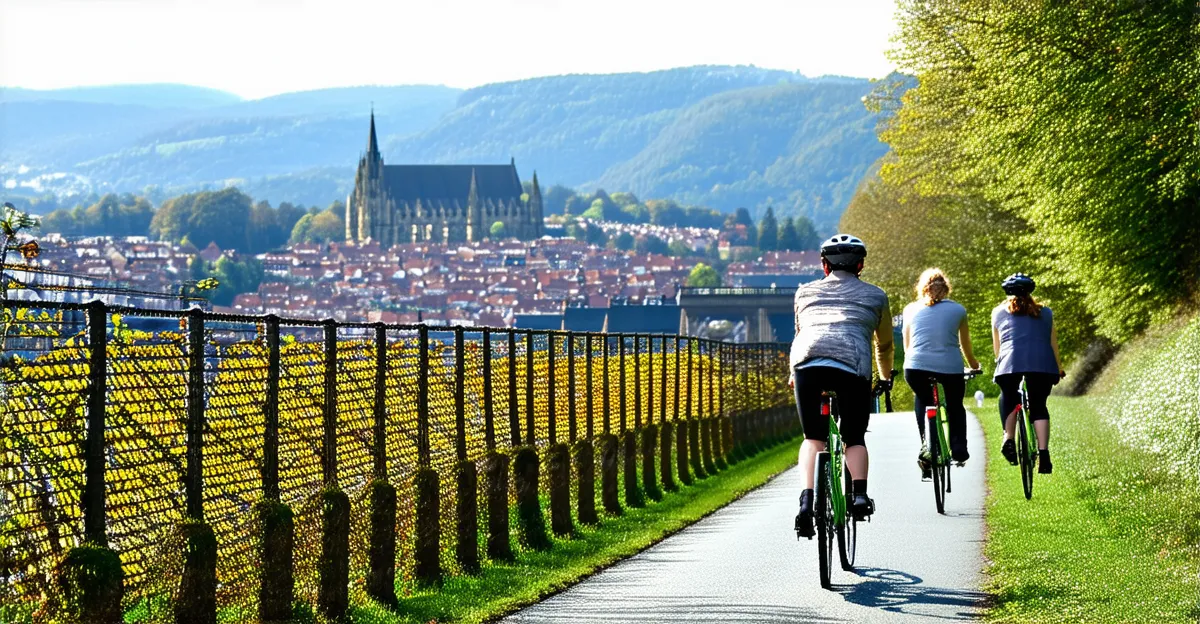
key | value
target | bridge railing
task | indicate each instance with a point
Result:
(244, 463)
(735, 291)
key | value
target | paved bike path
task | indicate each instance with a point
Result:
(744, 564)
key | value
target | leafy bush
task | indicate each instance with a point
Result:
(1152, 393)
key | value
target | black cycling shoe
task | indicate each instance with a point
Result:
(862, 507)
(925, 461)
(959, 454)
(1045, 466)
(1009, 451)
(804, 519)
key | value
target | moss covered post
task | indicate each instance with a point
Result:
(466, 510)
(333, 590)
(683, 383)
(196, 601)
(664, 425)
(89, 577)
(526, 468)
(696, 413)
(725, 425)
(584, 455)
(608, 443)
(275, 529)
(426, 550)
(707, 441)
(381, 571)
(499, 545)
(649, 431)
(558, 460)
(629, 437)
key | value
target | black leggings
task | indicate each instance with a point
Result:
(1039, 386)
(853, 403)
(955, 386)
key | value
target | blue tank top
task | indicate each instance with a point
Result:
(933, 337)
(1024, 342)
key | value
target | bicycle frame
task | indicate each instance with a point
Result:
(837, 461)
(936, 414)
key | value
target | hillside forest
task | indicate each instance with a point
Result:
(718, 136)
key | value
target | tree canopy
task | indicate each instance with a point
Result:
(1079, 121)
(704, 276)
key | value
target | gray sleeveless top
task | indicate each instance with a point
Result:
(933, 336)
(836, 319)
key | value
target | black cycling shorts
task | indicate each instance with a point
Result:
(853, 402)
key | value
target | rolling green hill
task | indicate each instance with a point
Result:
(715, 135)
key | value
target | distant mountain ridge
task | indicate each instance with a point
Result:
(717, 135)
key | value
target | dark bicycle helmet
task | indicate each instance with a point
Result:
(843, 250)
(1018, 284)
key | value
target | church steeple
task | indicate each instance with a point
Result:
(535, 206)
(372, 142)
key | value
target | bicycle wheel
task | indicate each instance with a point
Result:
(939, 467)
(823, 516)
(848, 533)
(1024, 458)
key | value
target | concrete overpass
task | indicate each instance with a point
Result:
(767, 312)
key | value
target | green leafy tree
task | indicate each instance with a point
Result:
(554, 199)
(768, 231)
(703, 276)
(651, 244)
(789, 239)
(806, 234)
(321, 227)
(497, 230)
(679, 248)
(1080, 120)
(623, 241)
(624, 200)
(636, 213)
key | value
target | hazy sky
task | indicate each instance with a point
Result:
(262, 47)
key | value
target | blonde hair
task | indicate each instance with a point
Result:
(933, 286)
(1024, 305)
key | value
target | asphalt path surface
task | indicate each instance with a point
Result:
(744, 564)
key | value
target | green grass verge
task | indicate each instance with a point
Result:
(502, 588)
(1109, 537)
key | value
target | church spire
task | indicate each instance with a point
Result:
(535, 207)
(372, 143)
(475, 227)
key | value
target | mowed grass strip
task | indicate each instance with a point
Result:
(503, 588)
(1109, 537)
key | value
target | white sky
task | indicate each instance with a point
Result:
(257, 48)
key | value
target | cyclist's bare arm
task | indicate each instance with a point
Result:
(1054, 345)
(964, 341)
(996, 342)
(885, 348)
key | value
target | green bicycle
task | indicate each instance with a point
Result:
(939, 444)
(833, 488)
(1026, 441)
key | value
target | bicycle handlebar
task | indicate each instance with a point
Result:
(884, 387)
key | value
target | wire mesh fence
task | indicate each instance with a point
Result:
(121, 425)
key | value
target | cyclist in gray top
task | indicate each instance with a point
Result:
(936, 340)
(836, 320)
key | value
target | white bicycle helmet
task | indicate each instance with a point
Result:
(844, 250)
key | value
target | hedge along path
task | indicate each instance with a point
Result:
(239, 465)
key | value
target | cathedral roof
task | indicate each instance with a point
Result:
(429, 182)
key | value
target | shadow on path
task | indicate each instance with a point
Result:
(900, 592)
(648, 608)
